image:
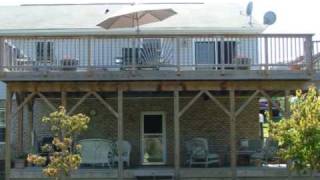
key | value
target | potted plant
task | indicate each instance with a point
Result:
(20, 161)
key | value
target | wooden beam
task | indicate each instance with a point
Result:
(88, 94)
(176, 130)
(221, 106)
(244, 105)
(42, 97)
(64, 99)
(120, 133)
(112, 86)
(105, 104)
(233, 142)
(193, 100)
(26, 100)
(8, 133)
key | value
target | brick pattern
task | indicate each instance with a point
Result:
(203, 119)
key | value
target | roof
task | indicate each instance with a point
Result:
(82, 19)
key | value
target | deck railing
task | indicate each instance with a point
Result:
(316, 55)
(176, 52)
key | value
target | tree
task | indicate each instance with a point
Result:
(299, 135)
(63, 152)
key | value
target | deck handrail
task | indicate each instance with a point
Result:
(265, 52)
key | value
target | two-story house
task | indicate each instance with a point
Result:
(197, 74)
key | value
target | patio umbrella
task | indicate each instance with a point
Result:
(136, 15)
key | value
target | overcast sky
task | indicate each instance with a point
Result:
(294, 16)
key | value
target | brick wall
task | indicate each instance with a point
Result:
(203, 119)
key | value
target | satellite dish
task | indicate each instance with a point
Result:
(269, 18)
(249, 8)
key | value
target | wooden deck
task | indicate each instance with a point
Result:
(254, 173)
(174, 57)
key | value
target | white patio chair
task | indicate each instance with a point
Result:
(198, 152)
(96, 151)
(126, 150)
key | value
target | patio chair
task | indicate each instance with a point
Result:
(267, 153)
(126, 150)
(96, 151)
(198, 153)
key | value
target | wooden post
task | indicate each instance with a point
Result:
(64, 99)
(19, 143)
(308, 48)
(8, 132)
(287, 115)
(233, 148)
(176, 134)
(30, 125)
(287, 104)
(120, 133)
(270, 109)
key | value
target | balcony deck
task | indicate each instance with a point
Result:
(155, 57)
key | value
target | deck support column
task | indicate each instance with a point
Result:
(176, 134)
(120, 133)
(233, 148)
(19, 144)
(287, 104)
(8, 132)
(64, 99)
(30, 125)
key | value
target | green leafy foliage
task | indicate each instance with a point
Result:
(63, 152)
(299, 134)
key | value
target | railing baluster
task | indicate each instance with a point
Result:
(178, 41)
(308, 54)
(89, 53)
(266, 51)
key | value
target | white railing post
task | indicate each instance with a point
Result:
(266, 53)
(178, 55)
(89, 53)
(308, 49)
(222, 54)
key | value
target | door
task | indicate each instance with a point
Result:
(153, 146)
(209, 52)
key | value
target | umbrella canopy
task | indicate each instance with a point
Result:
(136, 15)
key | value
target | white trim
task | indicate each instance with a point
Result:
(164, 137)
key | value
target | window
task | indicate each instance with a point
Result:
(2, 125)
(44, 51)
(209, 52)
